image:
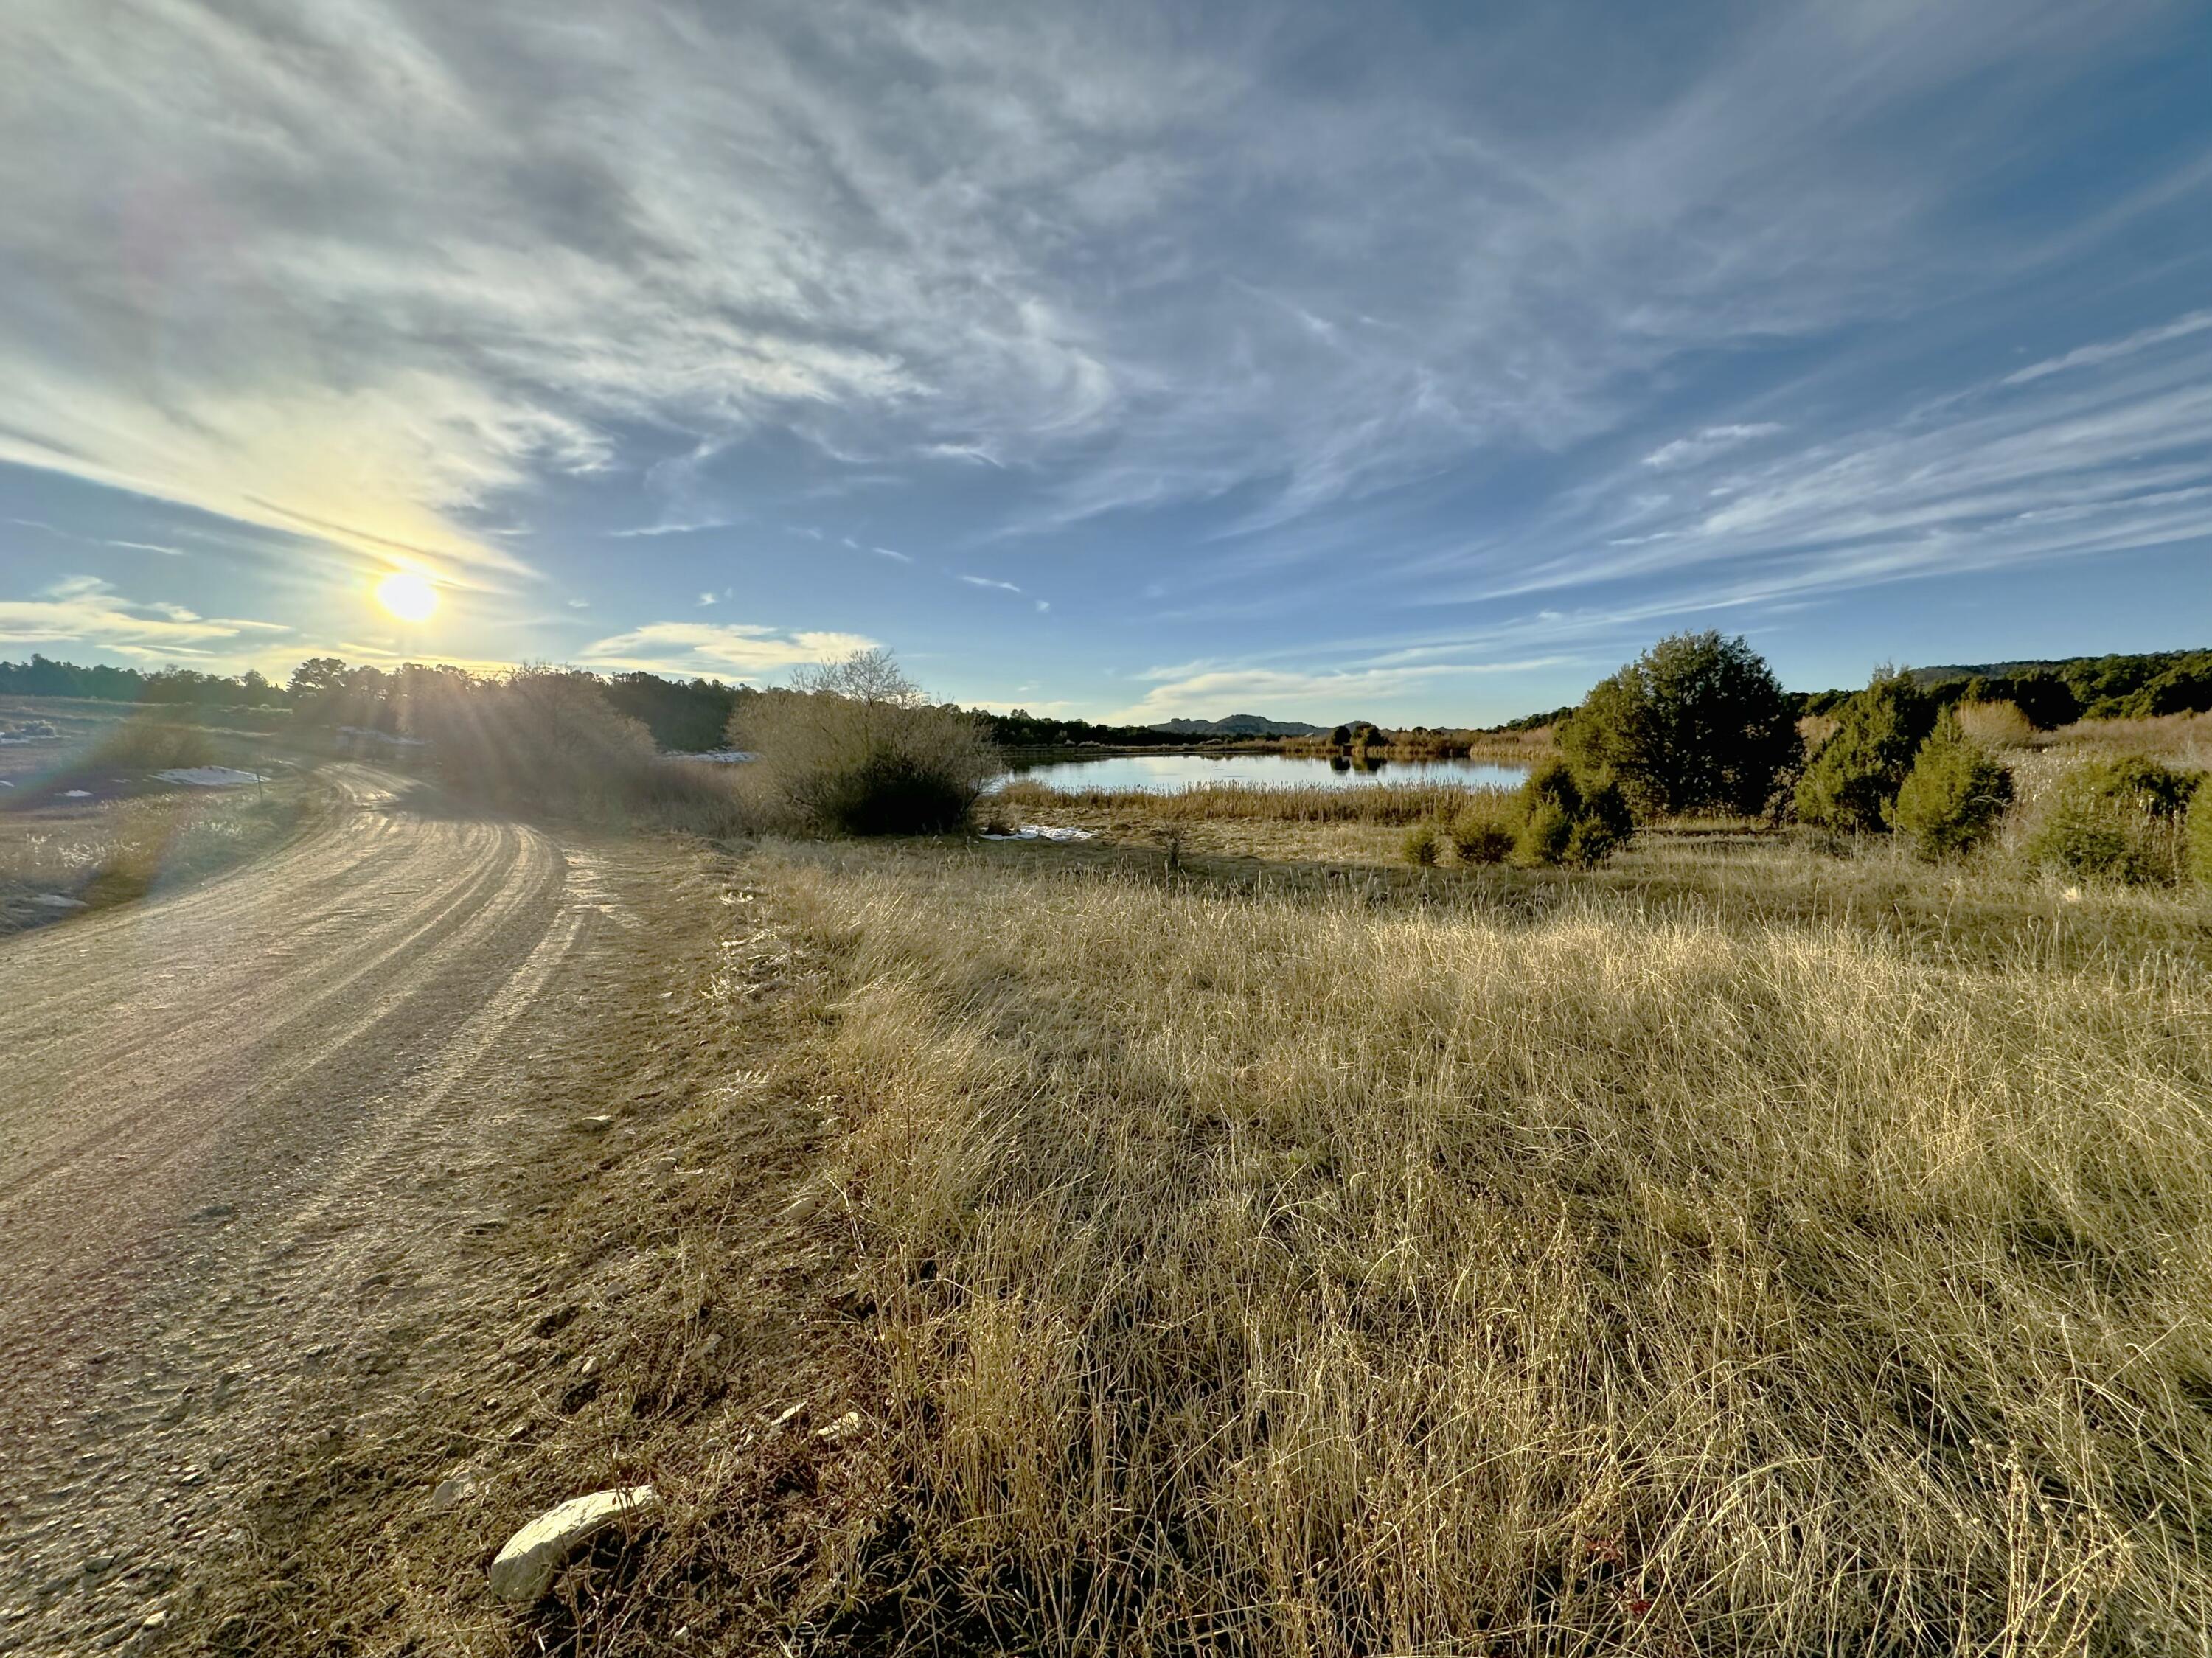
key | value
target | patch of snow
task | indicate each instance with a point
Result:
(715, 757)
(387, 737)
(77, 794)
(1043, 832)
(209, 777)
(56, 900)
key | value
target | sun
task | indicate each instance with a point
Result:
(407, 596)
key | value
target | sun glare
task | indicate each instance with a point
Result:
(407, 596)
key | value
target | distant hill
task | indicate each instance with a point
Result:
(2055, 692)
(2143, 666)
(1239, 725)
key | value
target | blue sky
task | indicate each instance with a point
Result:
(1412, 363)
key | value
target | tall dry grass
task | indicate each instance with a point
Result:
(1391, 804)
(1291, 1278)
(2179, 739)
(1995, 724)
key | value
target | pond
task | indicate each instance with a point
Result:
(1170, 773)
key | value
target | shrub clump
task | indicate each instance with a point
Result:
(2119, 820)
(546, 741)
(1563, 823)
(1698, 723)
(1483, 831)
(2197, 841)
(1851, 783)
(1424, 843)
(854, 748)
(152, 742)
(1955, 794)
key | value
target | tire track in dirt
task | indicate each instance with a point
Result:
(204, 923)
(230, 1122)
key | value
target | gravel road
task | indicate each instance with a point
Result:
(246, 1134)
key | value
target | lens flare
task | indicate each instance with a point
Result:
(407, 596)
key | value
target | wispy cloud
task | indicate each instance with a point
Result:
(2026, 468)
(1006, 238)
(1207, 690)
(644, 531)
(86, 610)
(2089, 356)
(700, 648)
(1233, 296)
(1702, 445)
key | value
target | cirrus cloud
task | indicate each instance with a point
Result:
(718, 648)
(84, 610)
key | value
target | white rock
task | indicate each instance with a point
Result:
(455, 1490)
(843, 1428)
(525, 1567)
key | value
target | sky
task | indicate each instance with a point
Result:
(1416, 363)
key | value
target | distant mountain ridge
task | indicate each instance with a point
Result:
(1239, 725)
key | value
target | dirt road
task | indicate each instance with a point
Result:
(246, 1134)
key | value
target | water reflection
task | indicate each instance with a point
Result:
(1168, 772)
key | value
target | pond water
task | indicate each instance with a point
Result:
(1170, 774)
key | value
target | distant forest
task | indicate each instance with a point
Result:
(684, 715)
(2058, 693)
(691, 714)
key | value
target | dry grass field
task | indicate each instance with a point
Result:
(1341, 1277)
(1741, 1250)
(1217, 1236)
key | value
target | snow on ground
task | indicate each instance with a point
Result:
(1041, 832)
(77, 794)
(715, 757)
(209, 777)
(390, 739)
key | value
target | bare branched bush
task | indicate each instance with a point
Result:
(854, 748)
